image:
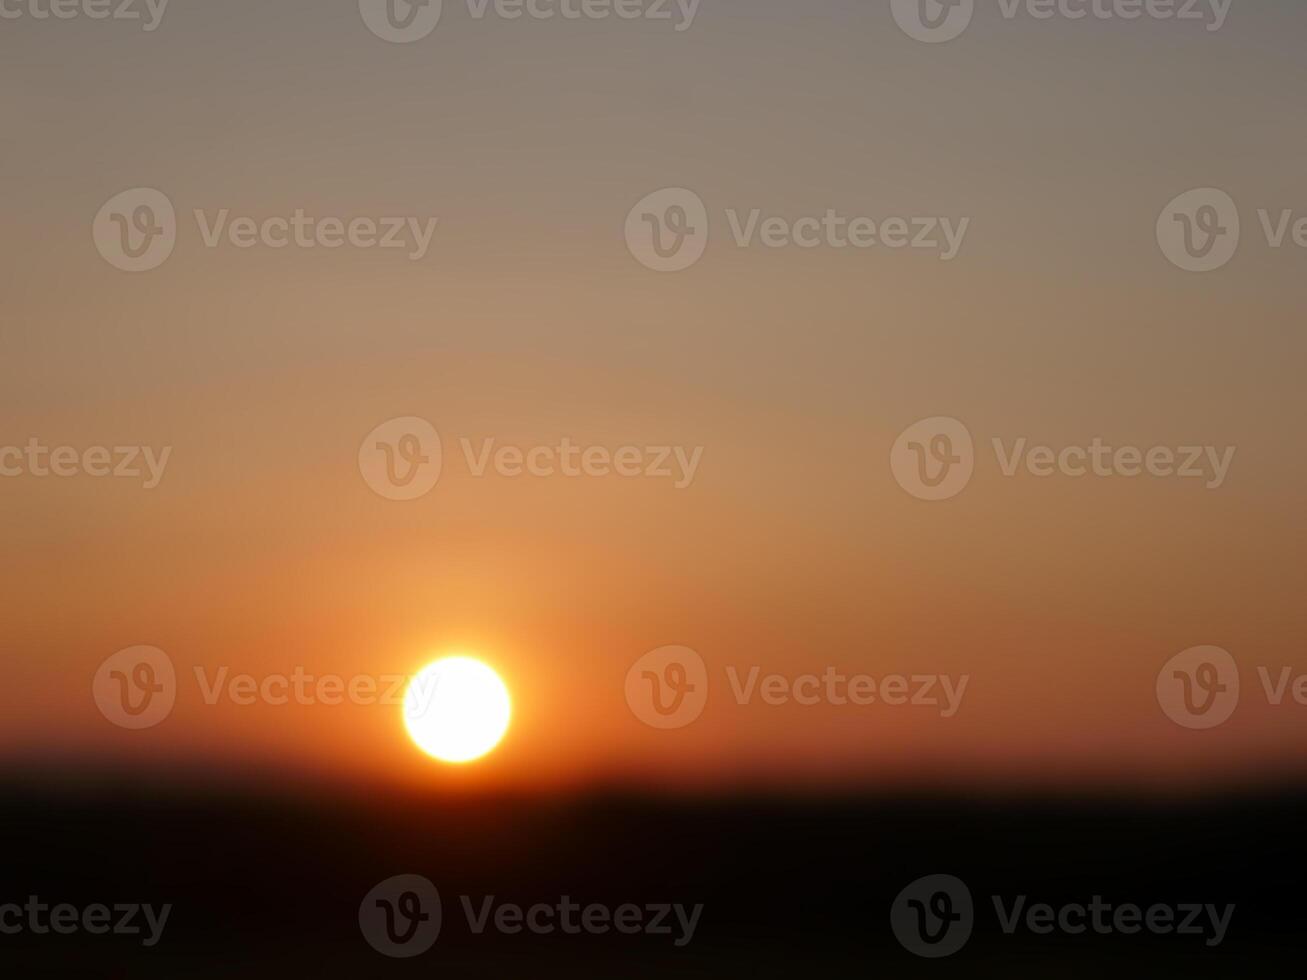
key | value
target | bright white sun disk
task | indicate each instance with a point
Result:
(457, 709)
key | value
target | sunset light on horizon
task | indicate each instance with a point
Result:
(647, 488)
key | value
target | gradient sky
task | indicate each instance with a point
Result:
(794, 549)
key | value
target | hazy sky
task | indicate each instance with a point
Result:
(528, 320)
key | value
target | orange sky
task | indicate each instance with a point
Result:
(793, 549)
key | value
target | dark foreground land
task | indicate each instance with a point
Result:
(269, 883)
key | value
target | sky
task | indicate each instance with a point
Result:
(792, 548)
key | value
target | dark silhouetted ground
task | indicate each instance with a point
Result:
(268, 884)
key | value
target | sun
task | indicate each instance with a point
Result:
(457, 709)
